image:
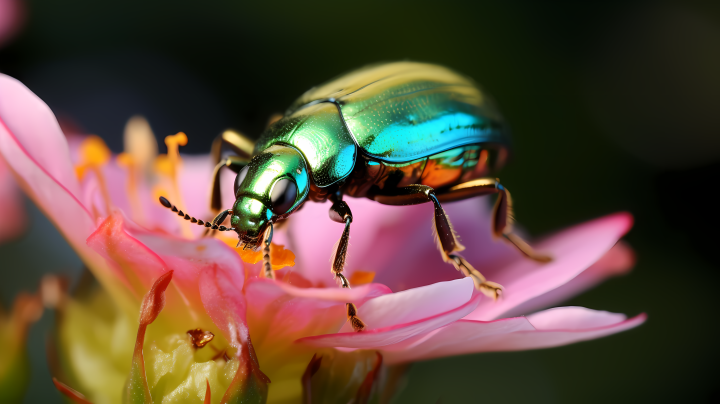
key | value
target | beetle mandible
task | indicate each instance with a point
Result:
(399, 133)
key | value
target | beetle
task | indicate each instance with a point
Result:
(398, 133)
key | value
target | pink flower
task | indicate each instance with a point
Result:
(293, 329)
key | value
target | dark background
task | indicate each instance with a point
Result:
(613, 106)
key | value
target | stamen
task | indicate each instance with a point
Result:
(140, 144)
(169, 165)
(94, 154)
(141, 149)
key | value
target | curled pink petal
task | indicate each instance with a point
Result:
(154, 300)
(414, 304)
(35, 149)
(208, 275)
(280, 313)
(574, 250)
(124, 254)
(556, 327)
(28, 122)
(617, 261)
(379, 337)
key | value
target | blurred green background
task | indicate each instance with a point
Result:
(613, 106)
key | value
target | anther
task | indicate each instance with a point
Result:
(193, 220)
(181, 213)
(222, 228)
(200, 222)
(187, 217)
(207, 224)
(200, 337)
(174, 209)
(214, 227)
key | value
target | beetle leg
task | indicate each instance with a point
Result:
(340, 212)
(240, 145)
(237, 142)
(445, 237)
(502, 215)
(235, 164)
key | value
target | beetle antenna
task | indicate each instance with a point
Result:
(267, 267)
(185, 216)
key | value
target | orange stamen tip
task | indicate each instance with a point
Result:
(94, 151)
(179, 139)
(154, 300)
(125, 160)
(361, 277)
(163, 165)
(80, 171)
(280, 257)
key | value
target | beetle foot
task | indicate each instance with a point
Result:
(525, 248)
(357, 324)
(490, 289)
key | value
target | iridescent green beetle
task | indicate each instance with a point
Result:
(397, 133)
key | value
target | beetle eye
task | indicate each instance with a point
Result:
(239, 179)
(283, 196)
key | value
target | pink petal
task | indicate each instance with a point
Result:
(574, 250)
(313, 233)
(29, 123)
(126, 255)
(208, 275)
(393, 317)
(277, 318)
(223, 300)
(414, 304)
(360, 293)
(417, 261)
(556, 327)
(374, 338)
(395, 242)
(35, 149)
(618, 261)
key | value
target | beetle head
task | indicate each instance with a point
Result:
(272, 186)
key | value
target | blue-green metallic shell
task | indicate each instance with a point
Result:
(319, 133)
(393, 113)
(397, 112)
